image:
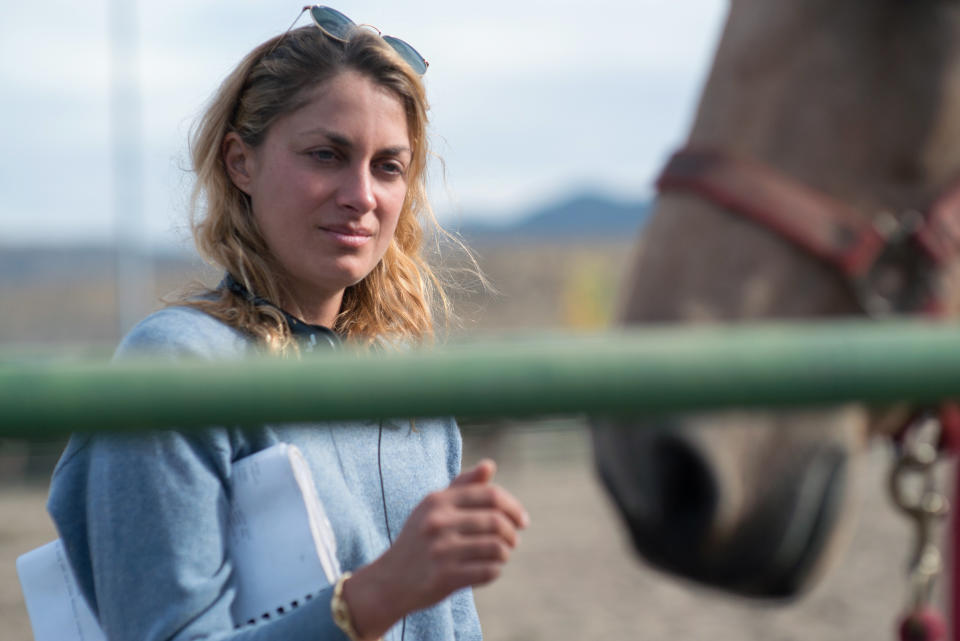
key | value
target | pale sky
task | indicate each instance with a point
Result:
(530, 100)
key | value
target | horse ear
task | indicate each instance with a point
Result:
(238, 158)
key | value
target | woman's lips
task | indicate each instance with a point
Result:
(347, 237)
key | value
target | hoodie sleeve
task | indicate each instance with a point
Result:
(143, 519)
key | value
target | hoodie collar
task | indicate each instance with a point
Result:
(309, 337)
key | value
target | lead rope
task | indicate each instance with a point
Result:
(926, 507)
(949, 415)
(955, 561)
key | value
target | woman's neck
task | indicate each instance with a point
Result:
(311, 306)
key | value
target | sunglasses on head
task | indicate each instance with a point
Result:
(338, 26)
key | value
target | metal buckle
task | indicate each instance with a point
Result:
(901, 279)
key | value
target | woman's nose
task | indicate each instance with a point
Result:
(355, 192)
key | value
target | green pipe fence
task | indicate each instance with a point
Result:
(653, 370)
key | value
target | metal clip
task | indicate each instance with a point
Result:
(926, 507)
(900, 279)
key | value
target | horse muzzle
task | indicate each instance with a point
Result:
(671, 491)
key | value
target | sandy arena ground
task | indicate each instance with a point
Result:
(574, 578)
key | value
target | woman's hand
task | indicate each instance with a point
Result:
(456, 537)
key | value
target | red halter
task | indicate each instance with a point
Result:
(892, 264)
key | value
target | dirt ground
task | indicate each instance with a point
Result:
(574, 578)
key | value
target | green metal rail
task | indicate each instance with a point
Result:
(653, 370)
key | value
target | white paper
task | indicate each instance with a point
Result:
(282, 552)
(278, 537)
(57, 609)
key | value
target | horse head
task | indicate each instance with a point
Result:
(858, 102)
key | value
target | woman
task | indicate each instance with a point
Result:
(310, 165)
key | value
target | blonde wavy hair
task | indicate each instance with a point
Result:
(397, 301)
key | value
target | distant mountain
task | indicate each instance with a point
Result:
(583, 217)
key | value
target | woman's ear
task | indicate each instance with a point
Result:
(238, 159)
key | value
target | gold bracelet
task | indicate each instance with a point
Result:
(340, 610)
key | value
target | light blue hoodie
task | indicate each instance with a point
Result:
(143, 519)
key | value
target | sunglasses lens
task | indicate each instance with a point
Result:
(332, 21)
(408, 53)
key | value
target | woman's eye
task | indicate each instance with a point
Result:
(322, 154)
(392, 167)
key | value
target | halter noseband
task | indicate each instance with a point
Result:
(892, 264)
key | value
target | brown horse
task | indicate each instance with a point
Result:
(860, 101)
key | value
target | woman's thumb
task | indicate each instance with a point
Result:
(482, 472)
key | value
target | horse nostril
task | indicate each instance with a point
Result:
(688, 488)
(663, 484)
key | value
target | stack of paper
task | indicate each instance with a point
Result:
(279, 540)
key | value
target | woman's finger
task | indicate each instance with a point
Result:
(476, 521)
(474, 573)
(482, 472)
(492, 496)
(483, 548)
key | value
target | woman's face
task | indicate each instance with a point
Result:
(327, 185)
